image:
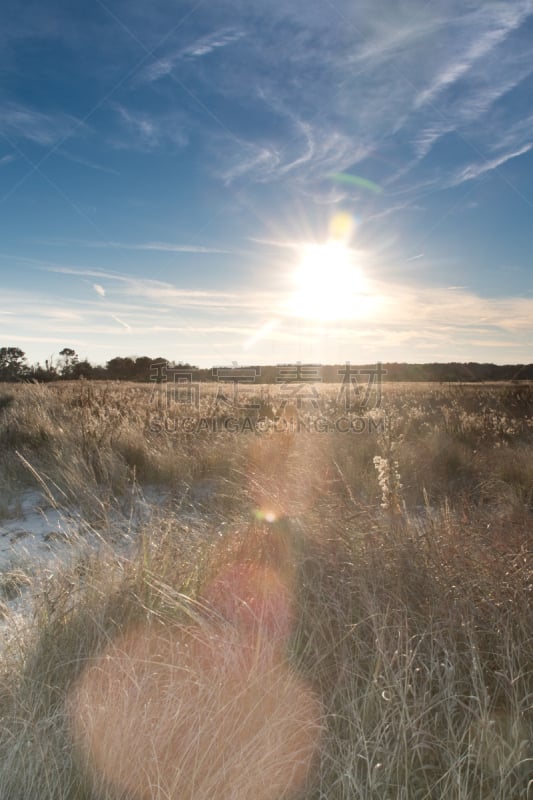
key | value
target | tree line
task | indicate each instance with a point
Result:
(67, 365)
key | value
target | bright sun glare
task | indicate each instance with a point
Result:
(330, 286)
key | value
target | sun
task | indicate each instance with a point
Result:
(330, 285)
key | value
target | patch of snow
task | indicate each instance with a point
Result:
(39, 537)
(37, 534)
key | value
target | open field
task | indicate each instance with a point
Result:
(320, 596)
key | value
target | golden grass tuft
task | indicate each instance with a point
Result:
(195, 712)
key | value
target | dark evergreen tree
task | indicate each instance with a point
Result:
(13, 364)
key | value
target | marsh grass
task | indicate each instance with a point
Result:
(389, 650)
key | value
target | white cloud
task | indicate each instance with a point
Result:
(57, 340)
(99, 289)
(163, 247)
(513, 134)
(196, 49)
(428, 137)
(463, 69)
(333, 85)
(159, 69)
(85, 162)
(80, 271)
(257, 160)
(21, 122)
(308, 153)
(406, 323)
(281, 243)
(475, 170)
(498, 28)
(207, 44)
(121, 322)
(149, 131)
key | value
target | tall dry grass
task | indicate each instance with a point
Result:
(284, 635)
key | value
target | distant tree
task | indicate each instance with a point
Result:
(13, 364)
(42, 374)
(69, 359)
(50, 368)
(142, 368)
(83, 369)
(121, 369)
(135, 368)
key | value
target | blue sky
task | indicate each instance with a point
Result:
(169, 180)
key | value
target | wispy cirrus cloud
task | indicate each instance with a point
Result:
(153, 247)
(396, 306)
(467, 62)
(308, 153)
(214, 41)
(201, 46)
(453, 322)
(473, 171)
(331, 88)
(121, 322)
(160, 247)
(491, 24)
(162, 292)
(146, 131)
(377, 82)
(256, 160)
(511, 134)
(22, 122)
(85, 162)
(322, 89)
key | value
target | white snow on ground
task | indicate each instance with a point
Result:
(36, 534)
(39, 537)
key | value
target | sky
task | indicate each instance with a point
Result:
(221, 181)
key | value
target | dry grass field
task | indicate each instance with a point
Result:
(319, 600)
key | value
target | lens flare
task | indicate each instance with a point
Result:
(193, 712)
(356, 180)
(341, 227)
(263, 515)
(262, 333)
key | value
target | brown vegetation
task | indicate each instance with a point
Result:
(316, 623)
